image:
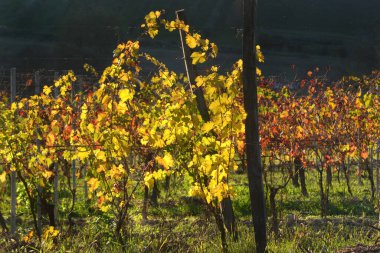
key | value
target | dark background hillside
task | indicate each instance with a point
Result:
(340, 35)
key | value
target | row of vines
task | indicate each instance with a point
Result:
(127, 132)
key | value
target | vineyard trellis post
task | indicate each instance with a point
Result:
(377, 175)
(37, 84)
(360, 181)
(252, 138)
(56, 176)
(85, 186)
(348, 163)
(13, 173)
(371, 161)
(73, 164)
(377, 166)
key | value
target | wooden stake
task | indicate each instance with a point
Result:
(56, 176)
(73, 164)
(13, 173)
(378, 166)
(38, 143)
(252, 138)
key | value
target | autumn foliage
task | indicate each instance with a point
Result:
(130, 132)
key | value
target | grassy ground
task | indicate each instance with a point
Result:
(180, 224)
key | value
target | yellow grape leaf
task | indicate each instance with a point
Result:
(345, 148)
(105, 209)
(101, 155)
(47, 174)
(149, 181)
(106, 99)
(50, 232)
(115, 143)
(83, 114)
(166, 161)
(151, 23)
(160, 161)
(198, 57)
(259, 54)
(125, 94)
(49, 161)
(284, 114)
(55, 233)
(169, 160)
(300, 131)
(258, 72)
(240, 146)
(204, 44)
(117, 171)
(209, 198)
(47, 90)
(214, 50)
(191, 41)
(195, 191)
(63, 90)
(144, 141)
(124, 77)
(152, 32)
(91, 128)
(83, 153)
(50, 138)
(332, 104)
(368, 99)
(93, 184)
(3, 177)
(28, 236)
(210, 90)
(200, 81)
(207, 126)
(157, 13)
(41, 182)
(101, 168)
(239, 64)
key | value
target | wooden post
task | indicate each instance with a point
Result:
(360, 164)
(85, 186)
(252, 138)
(73, 164)
(13, 173)
(371, 160)
(377, 174)
(377, 166)
(56, 176)
(348, 164)
(38, 143)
